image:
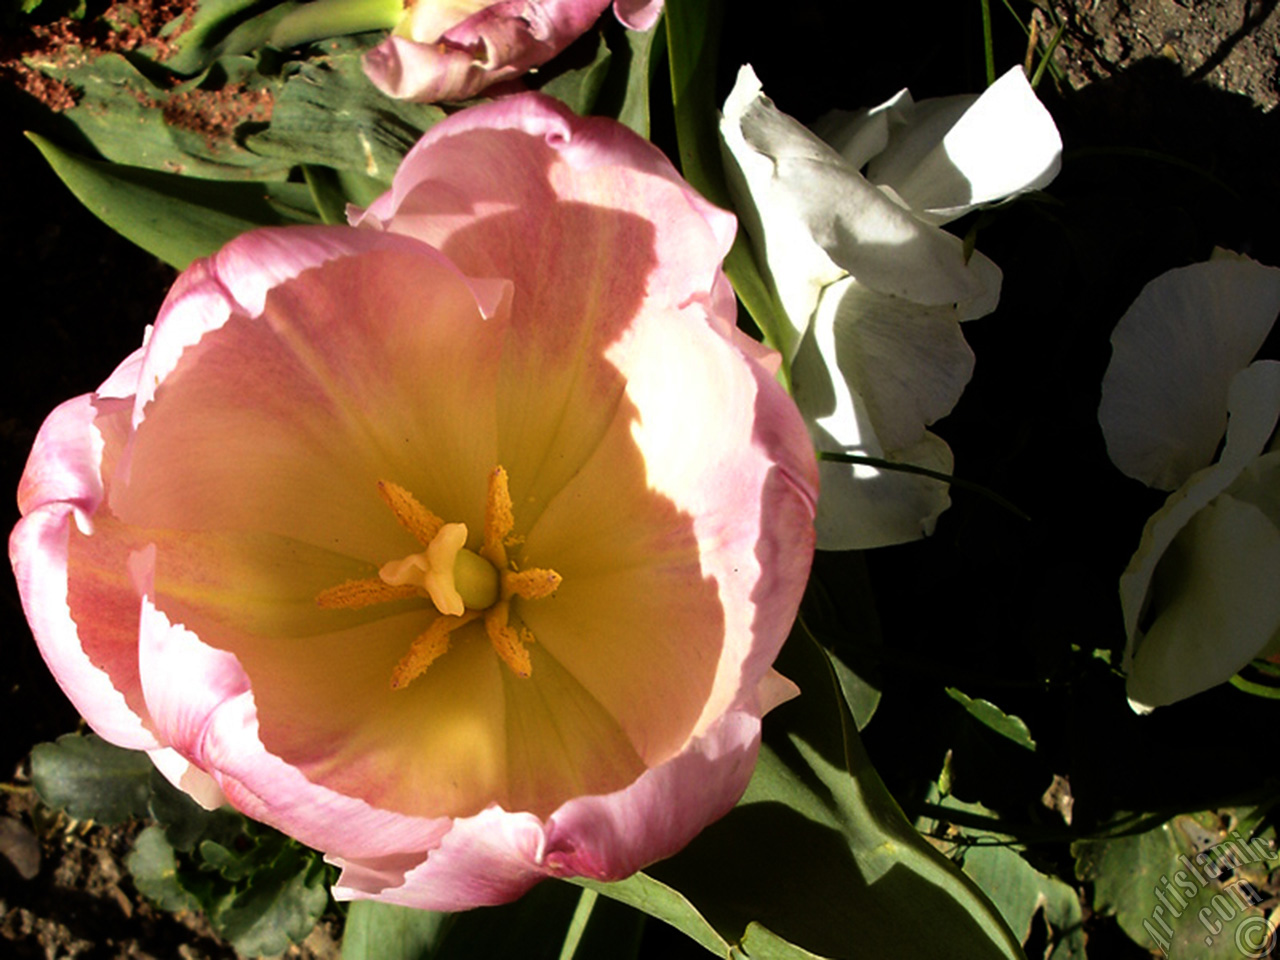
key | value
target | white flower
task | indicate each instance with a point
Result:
(1199, 596)
(873, 289)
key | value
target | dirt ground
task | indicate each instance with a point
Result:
(64, 892)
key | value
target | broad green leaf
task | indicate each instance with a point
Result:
(1018, 889)
(383, 931)
(602, 929)
(175, 218)
(532, 928)
(1172, 888)
(185, 822)
(760, 943)
(155, 872)
(625, 93)
(848, 628)
(328, 114)
(693, 32)
(228, 27)
(186, 129)
(279, 905)
(991, 716)
(578, 85)
(819, 852)
(656, 899)
(692, 39)
(91, 779)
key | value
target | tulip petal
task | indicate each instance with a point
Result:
(1254, 403)
(859, 135)
(957, 153)
(1174, 354)
(796, 193)
(81, 606)
(454, 51)
(487, 859)
(1218, 606)
(637, 14)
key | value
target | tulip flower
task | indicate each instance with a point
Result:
(454, 50)
(873, 289)
(1199, 595)
(458, 545)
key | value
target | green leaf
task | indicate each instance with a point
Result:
(693, 34)
(583, 68)
(602, 929)
(989, 715)
(532, 928)
(155, 872)
(1158, 882)
(185, 822)
(1018, 889)
(658, 900)
(625, 93)
(692, 41)
(175, 218)
(228, 27)
(760, 943)
(328, 114)
(91, 779)
(190, 129)
(383, 931)
(279, 905)
(819, 852)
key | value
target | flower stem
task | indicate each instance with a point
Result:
(880, 464)
(334, 18)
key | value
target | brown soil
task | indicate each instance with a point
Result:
(1231, 44)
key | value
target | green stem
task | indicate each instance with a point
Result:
(334, 18)
(988, 44)
(880, 464)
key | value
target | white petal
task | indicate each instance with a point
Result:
(1174, 353)
(906, 362)
(1219, 606)
(863, 507)
(795, 193)
(1255, 408)
(859, 135)
(1002, 143)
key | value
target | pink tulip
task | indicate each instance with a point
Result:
(454, 49)
(230, 554)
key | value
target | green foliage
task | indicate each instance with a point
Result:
(176, 218)
(260, 890)
(997, 863)
(1158, 882)
(90, 779)
(554, 921)
(816, 846)
(992, 717)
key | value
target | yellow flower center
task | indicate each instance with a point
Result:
(462, 585)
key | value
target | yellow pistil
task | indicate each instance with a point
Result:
(462, 585)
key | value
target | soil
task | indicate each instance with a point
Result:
(1194, 80)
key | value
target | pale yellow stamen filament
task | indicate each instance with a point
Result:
(428, 647)
(355, 594)
(462, 585)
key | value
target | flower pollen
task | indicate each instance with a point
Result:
(461, 584)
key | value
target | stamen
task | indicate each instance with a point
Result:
(505, 641)
(413, 516)
(462, 585)
(499, 519)
(530, 584)
(427, 648)
(354, 594)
